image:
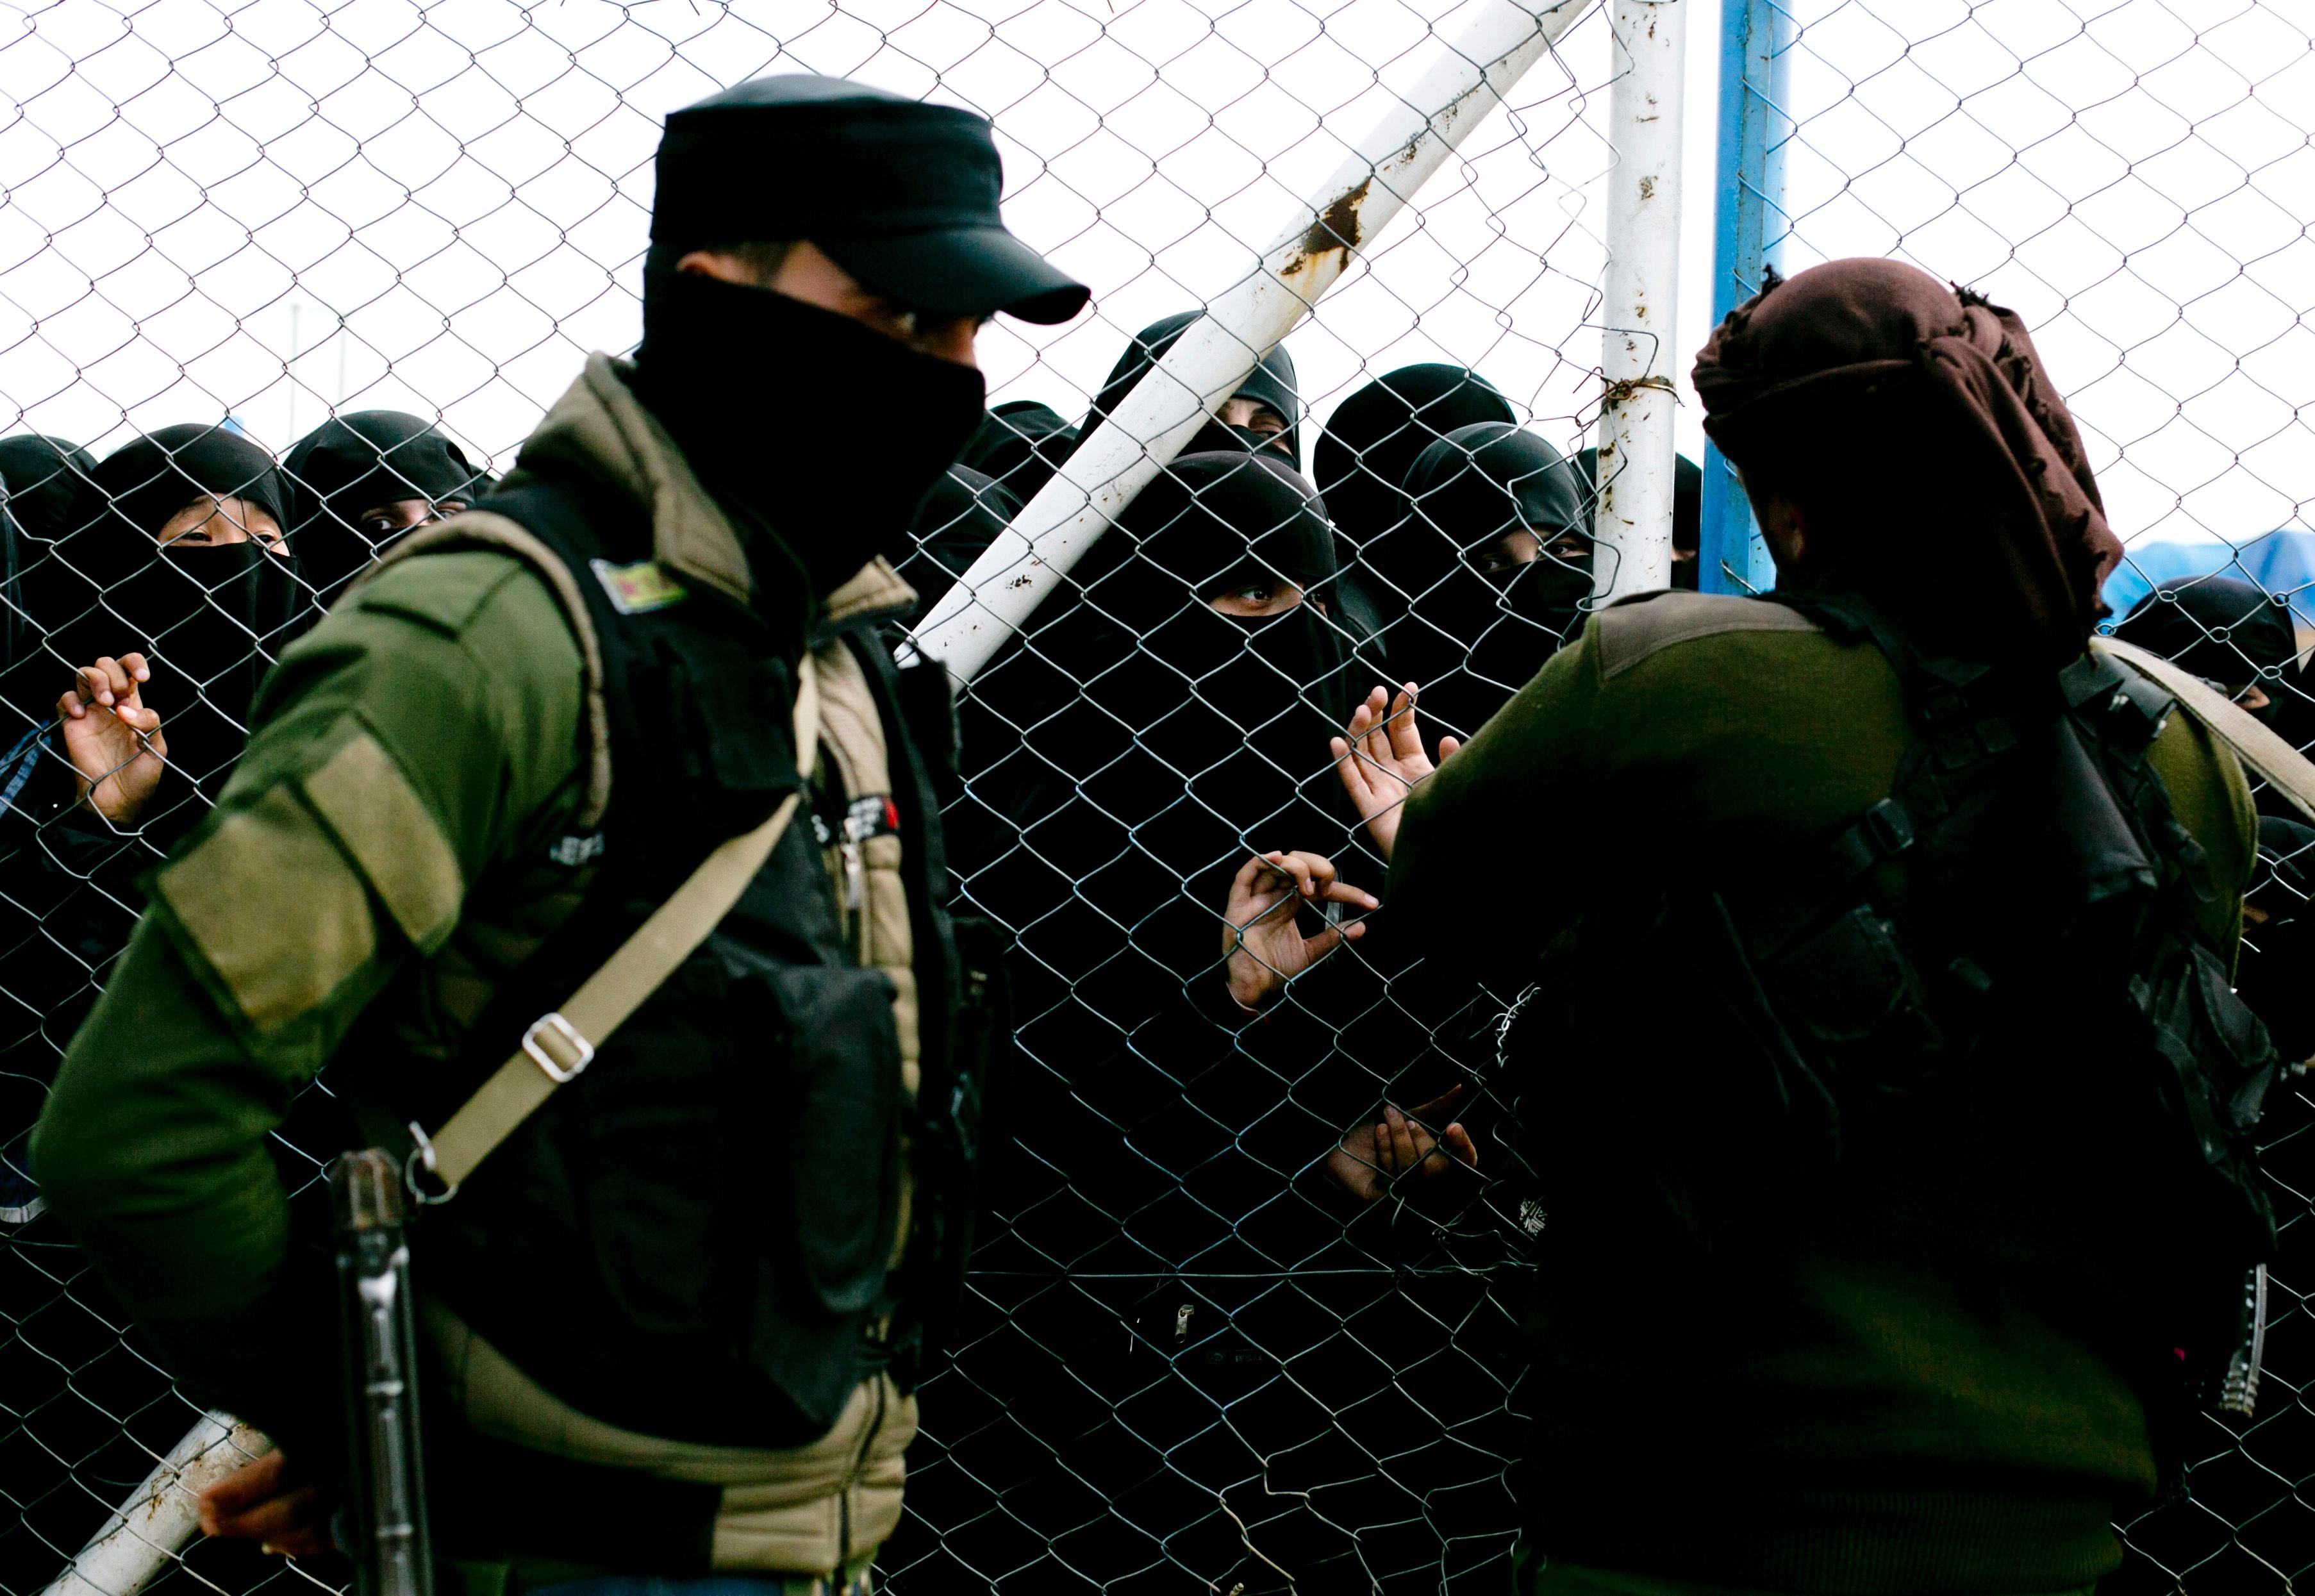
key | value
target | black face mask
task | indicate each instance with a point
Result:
(825, 430)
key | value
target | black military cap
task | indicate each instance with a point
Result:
(900, 194)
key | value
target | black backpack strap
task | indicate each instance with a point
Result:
(1965, 715)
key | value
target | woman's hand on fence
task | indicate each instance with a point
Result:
(1380, 759)
(267, 1501)
(113, 741)
(1371, 1159)
(1263, 947)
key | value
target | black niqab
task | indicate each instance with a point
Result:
(211, 619)
(958, 519)
(1019, 445)
(360, 462)
(1471, 639)
(1270, 383)
(149, 479)
(49, 496)
(1687, 511)
(2224, 630)
(48, 483)
(1142, 742)
(1124, 756)
(1371, 440)
(2272, 970)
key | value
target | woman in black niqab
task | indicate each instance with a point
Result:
(1487, 574)
(1687, 511)
(1373, 437)
(959, 518)
(359, 482)
(48, 483)
(1165, 718)
(1194, 730)
(47, 497)
(2227, 631)
(1365, 453)
(1019, 444)
(210, 608)
(1270, 385)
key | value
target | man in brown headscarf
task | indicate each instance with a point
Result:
(1881, 1251)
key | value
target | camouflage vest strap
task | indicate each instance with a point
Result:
(558, 1045)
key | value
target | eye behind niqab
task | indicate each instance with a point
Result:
(365, 460)
(1470, 638)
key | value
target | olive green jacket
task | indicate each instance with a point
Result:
(394, 843)
(1859, 1395)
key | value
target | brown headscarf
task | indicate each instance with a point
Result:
(1808, 369)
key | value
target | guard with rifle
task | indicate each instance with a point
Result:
(592, 842)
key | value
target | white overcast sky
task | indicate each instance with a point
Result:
(267, 208)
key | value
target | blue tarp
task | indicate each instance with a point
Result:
(2279, 561)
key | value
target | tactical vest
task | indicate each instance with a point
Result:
(739, 1208)
(2003, 956)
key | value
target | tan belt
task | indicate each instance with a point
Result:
(2275, 761)
(557, 1046)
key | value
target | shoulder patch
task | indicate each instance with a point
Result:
(1627, 634)
(443, 592)
(379, 819)
(638, 589)
(271, 904)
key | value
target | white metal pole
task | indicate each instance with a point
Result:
(1209, 360)
(140, 1540)
(1637, 364)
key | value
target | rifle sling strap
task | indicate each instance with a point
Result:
(2267, 756)
(557, 1046)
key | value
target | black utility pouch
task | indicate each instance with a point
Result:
(834, 1123)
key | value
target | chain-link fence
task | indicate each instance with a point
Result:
(1207, 1344)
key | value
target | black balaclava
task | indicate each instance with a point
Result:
(358, 462)
(1472, 640)
(211, 619)
(832, 438)
(1019, 445)
(1270, 383)
(1687, 511)
(817, 435)
(959, 518)
(2272, 972)
(2222, 629)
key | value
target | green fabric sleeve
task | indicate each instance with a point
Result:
(404, 747)
(1482, 874)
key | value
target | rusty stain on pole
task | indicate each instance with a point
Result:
(1213, 357)
(1636, 460)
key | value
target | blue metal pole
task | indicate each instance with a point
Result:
(1749, 230)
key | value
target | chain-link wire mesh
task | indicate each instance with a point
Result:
(1187, 1355)
(1207, 1344)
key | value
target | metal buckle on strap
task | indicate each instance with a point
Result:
(582, 1052)
(422, 1157)
(1890, 827)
